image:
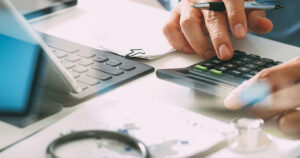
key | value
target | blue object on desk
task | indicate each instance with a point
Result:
(18, 61)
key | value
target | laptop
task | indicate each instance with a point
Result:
(76, 72)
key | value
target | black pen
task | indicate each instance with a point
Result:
(220, 6)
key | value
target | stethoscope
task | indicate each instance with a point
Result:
(97, 134)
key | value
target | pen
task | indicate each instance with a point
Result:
(220, 6)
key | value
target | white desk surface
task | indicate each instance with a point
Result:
(148, 87)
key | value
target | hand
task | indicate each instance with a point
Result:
(187, 28)
(283, 100)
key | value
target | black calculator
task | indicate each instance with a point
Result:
(218, 77)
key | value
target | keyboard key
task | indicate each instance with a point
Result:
(98, 75)
(201, 68)
(80, 69)
(260, 63)
(75, 75)
(85, 62)
(83, 86)
(68, 64)
(243, 69)
(247, 76)
(216, 72)
(100, 58)
(88, 80)
(72, 58)
(231, 66)
(107, 69)
(86, 54)
(59, 53)
(235, 72)
(251, 66)
(246, 59)
(127, 67)
(222, 68)
(113, 63)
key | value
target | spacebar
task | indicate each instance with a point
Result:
(107, 69)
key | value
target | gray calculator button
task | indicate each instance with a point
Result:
(82, 86)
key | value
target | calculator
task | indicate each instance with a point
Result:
(218, 77)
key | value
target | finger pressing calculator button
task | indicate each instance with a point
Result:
(216, 72)
(202, 68)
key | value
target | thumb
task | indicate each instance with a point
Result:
(258, 23)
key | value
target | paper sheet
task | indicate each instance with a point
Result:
(136, 31)
(167, 130)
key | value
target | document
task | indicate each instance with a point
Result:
(136, 31)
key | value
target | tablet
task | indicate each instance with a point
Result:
(36, 8)
(26, 67)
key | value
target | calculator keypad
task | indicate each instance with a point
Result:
(242, 65)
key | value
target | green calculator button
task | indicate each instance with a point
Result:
(216, 72)
(202, 68)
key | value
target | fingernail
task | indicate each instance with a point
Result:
(188, 50)
(224, 52)
(239, 31)
(209, 54)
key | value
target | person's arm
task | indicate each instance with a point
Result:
(189, 28)
(283, 100)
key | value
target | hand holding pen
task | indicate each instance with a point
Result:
(206, 32)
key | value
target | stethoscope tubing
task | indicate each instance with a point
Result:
(97, 134)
